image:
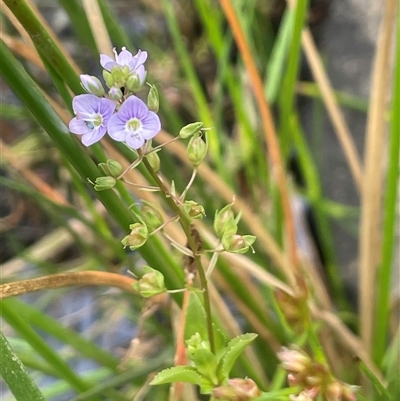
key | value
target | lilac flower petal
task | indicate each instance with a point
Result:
(104, 60)
(116, 128)
(124, 57)
(133, 107)
(77, 126)
(137, 60)
(141, 72)
(106, 109)
(85, 104)
(135, 141)
(151, 125)
(142, 57)
(94, 136)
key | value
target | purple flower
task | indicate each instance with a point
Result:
(134, 123)
(124, 58)
(91, 117)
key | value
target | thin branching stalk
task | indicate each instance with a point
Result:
(186, 226)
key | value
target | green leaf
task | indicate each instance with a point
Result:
(234, 348)
(15, 375)
(195, 318)
(186, 374)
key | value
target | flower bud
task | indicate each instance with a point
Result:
(137, 237)
(194, 210)
(199, 351)
(301, 397)
(195, 342)
(111, 168)
(190, 129)
(237, 243)
(154, 160)
(152, 283)
(333, 391)
(237, 390)
(103, 183)
(151, 216)
(224, 222)
(153, 102)
(115, 93)
(92, 85)
(108, 78)
(133, 83)
(196, 150)
(294, 360)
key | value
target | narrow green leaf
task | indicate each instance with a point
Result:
(386, 396)
(15, 375)
(233, 350)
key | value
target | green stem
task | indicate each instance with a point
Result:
(186, 226)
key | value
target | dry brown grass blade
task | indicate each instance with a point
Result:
(332, 107)
(66, 280)
(98, 27)
(375, 150)
(22, 50)
(268, 129)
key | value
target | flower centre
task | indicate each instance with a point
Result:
(94, 121)
(133, 125)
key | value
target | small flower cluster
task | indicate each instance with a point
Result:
(313, 377)
(123, 115)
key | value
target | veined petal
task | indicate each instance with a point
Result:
(151, 125)
(85, 104)
(77, 126)
(116, 128)
(94, 136)
(133, 107)
(135, 141)
(106, 109)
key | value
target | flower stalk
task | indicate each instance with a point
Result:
(185, 224)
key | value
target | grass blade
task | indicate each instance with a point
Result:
(15, 375)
